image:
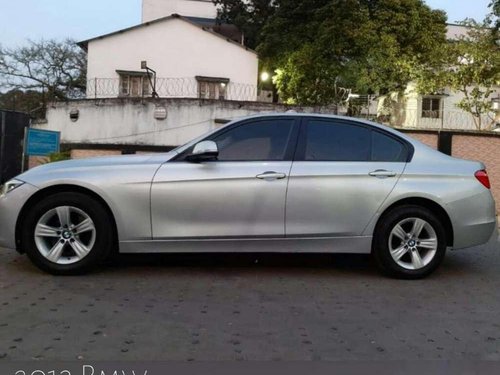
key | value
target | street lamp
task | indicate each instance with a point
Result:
(264, 77)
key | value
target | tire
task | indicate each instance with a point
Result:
(67, 249)
(422, 255)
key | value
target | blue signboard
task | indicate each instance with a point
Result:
(41, 142)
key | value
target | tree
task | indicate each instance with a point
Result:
(495, 12)
(52, 67)
(469, 66)
(248, 15)
(319, 52)
(364, 45)
(29, 101)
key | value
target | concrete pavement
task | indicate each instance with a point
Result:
(251, 307)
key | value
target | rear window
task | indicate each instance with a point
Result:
(332, 140)
(385, 148)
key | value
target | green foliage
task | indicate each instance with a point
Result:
(495, 13)
(306, 80)
(469, 66)
(249, 16)
(58, 156)
(318, 45)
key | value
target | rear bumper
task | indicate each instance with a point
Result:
(474, 220)
(10, 207)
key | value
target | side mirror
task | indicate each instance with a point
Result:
(203, 151)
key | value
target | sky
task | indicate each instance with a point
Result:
(83, 19)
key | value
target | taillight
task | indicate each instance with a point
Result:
(483, 178)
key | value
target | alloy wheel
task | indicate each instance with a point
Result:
(65, 235)
(413, 243)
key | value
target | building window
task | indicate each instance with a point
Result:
(212, 87)
(431, 107)
(134, 84)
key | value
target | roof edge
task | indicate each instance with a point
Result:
(84, 43)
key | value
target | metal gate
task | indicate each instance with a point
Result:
(12, 126)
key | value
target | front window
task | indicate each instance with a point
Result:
(431, 107)
(212, 87)
(134, 84)
(265, 140)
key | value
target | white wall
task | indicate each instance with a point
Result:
(132, 121)
(174, 48)
(455, 32)
(452, 117)
(154, 9)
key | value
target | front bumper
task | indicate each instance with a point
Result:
(10, 207)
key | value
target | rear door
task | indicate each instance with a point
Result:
(342, 173)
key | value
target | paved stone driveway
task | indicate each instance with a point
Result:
(251, 307)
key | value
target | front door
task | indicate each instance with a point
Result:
(342, 174)
(240, 195)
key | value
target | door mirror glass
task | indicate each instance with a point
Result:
(203, 151)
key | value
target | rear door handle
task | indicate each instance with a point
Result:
(271, 176)
(382, 173)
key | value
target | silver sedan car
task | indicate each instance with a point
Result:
(272, 183)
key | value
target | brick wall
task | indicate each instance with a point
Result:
(82, 154)
(35, 161)
(484, 148)
(430, 139)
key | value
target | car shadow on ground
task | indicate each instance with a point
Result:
(456, 264)
(246, 260)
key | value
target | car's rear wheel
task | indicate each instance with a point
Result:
(67, 233)
(409, 242)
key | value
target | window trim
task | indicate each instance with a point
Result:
(220, 83)
(302, 141)
(289, 149)
(130, 75)
(438, 112)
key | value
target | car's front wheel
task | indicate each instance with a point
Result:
(409, 242)
(67, 233)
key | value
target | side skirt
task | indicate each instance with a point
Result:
(354, 245)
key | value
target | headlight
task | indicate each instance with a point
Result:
(9, 186)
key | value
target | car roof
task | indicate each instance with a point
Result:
(412, 141)
(328, 116)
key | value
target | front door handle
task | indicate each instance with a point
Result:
(271, 176)
(381, 173)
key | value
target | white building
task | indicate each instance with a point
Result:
(438, 111)
(191, 55)
(154, 9)
(193, 58)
